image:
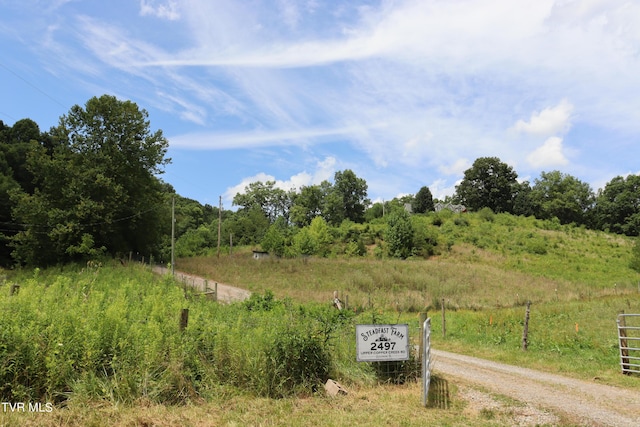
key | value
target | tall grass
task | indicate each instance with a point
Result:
(113, 333)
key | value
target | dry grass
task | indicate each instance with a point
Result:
(383, 405)
(466, 277)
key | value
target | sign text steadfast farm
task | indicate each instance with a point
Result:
(376, 343)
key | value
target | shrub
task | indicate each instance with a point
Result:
(295, 361)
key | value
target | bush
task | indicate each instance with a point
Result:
(296, 361)
(487, 214)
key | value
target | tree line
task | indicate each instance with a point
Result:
(91, 186)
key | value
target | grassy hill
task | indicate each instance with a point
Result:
(482, 261)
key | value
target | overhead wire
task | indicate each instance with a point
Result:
(88, 224)
(32, 85)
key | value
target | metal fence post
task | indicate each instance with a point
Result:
(426, 360)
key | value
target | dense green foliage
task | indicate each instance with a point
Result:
(88, 186)
(488, 183)
(113, 333)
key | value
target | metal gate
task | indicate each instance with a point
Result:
(629, 339)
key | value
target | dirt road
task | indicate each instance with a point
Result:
(225, 293)
(543, 395)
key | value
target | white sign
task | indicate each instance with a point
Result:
(382, 342)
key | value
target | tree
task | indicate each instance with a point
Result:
(307, 205)
(617, 207)
(562, 196)
(273, 240)
(273, 201)
(488, 183)
(248, 226)
(319, 230)
(96, 190)
(522, 203)
(374, 211)
(352, 191)
(399, 235)
(423, 201)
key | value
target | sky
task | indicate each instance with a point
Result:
(406, 94)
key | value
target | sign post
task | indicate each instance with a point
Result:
(375, 343)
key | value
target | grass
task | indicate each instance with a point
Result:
(483, 273)
(381, 405)
(577, 281)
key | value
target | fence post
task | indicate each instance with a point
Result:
(444, 321)
(423, 317)
(425, 355)
(525, 333)
(184, 318)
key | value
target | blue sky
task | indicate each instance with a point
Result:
(404, 93)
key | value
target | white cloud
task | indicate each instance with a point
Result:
(549, 154)
(253, 139)
(167, 10)
(324, 170)
(550, 121)
(456, 168)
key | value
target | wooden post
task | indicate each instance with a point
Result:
(444, 321)
(184, 319)
(215, 295)
(230, 243)
(525, 333)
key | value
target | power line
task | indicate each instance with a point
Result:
(89, 224)
(32, 85)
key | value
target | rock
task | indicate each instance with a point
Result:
(333, 388)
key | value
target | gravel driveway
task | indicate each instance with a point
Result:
(226, 293)
(583, 403)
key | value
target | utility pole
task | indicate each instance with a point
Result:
(219, 224)
(173, 234)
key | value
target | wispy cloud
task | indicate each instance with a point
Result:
(243, 140)
(412, 88)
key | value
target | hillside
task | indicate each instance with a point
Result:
(479, 261)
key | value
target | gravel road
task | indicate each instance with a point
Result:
(584, 403)
(225, 293)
